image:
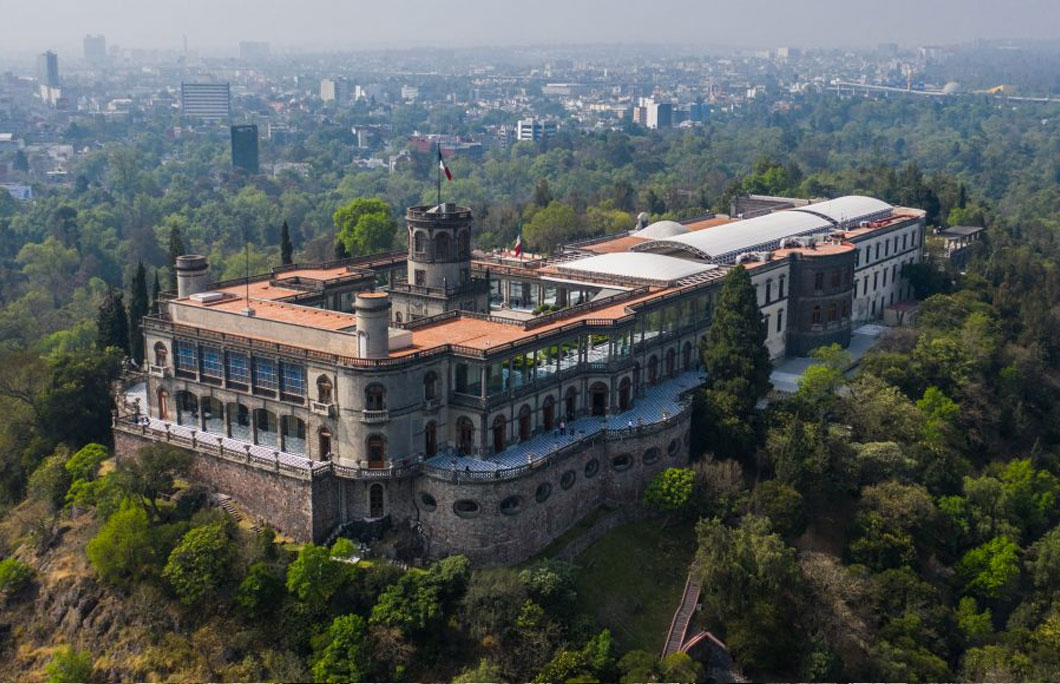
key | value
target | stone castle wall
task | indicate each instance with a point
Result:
(514, 518)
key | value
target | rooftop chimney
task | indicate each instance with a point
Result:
(193, 275)
(373, 325)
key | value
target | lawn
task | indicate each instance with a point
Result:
(631, 580)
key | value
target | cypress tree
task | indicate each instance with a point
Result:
(112, 323)
(156, 290)
(340, 250)
(737, 364)
(138, 307)
(286, 248)
(176, 249)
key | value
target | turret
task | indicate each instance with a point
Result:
(193, 275)
(439, 245)
(373, 319)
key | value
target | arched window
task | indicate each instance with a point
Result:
(833, 312)
(671, 366)
(374, 397)
(324, 389)
(525, 427)
(418, 242)
(375, 501)
(598, 395)
(324, 444)
(441, 246)
(548, 413)
(816, 316)
(430, 385)
(161, 354)
(187, 409)
(238, 417)
(266, 428)
(465, 244)
(430, 439)
(293, 434)
(397, 316)
(653, 370)
(375, 449)
(571, 403)
(212, 415)
(465, 435)
(624, 395)
(636, 374)
(686, 356)
(499, 428)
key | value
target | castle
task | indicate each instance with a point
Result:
(487, 401)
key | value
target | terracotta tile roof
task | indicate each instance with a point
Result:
(283, 312)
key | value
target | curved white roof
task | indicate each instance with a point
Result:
(661, 229)
(849, 209)
(635, 265)
(722, 243)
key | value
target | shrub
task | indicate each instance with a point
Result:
(199, 564)
(68, 665)
(14, 576)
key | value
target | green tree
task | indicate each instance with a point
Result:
(152, 473)
(542, 194)
(365, 226)
(342, 654)
(138, 308)
(176, 249)
(122, 550)
(68, 665)
(737, 364)
(199, 563)
(1029, 493)
(492, 603)
(156, 290)
(991, 570)
(113, 323)
(14, 576)
(551, 227)
(485, 671)
(261, 590)
(671, 490)
(286, 248)
(314, 577)
(593, 662)
(679, 667)
(74, 407)
(782, 504)
(84, 464)
(639, 666)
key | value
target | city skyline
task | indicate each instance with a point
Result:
(475, 23)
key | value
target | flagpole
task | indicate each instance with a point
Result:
(439, 172)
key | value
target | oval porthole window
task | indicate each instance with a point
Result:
(512, 505)
(592, 467)
(544, 490)
(621, 462)
(651, 455)
(427, 501)
(567, 480)
(466, 508)
(673, 447)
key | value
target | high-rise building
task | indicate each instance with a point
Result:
(252, 50)
(208, 101)
(534, 129)
(660, 115)
(245, 147)
(95, 49)
(48, 69)
(335, 90)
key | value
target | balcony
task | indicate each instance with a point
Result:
(373, 417)
(322, 408)
(158, 371)
(432, 404)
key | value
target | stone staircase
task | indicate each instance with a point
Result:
(228, 506)
(675, 638)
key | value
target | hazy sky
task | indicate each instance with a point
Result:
(218, 25)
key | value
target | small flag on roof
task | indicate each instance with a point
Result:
(519, 245)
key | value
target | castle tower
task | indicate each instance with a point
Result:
(193, 274)
(439, 246)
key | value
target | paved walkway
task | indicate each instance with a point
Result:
(787, 374)
(657, 404)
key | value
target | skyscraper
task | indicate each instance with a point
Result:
(48, 69)
(209, 101)
(245, 147)
(95, 49)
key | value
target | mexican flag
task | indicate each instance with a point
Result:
(519, 245)
(441, 165)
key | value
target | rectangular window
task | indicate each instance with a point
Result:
(186, 358)
(293, 377)
(780, 288)
(238, 368)
(836, 277)
(818, 281)
(769, 290)
(885, 277)
(886, 247)
(865, 290)
(211, 362)
(868, 255)
(905, 236)
(265, 375)
(780, 319)
(877, 250)
(875, 281)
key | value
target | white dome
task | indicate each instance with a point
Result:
(661, 229)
